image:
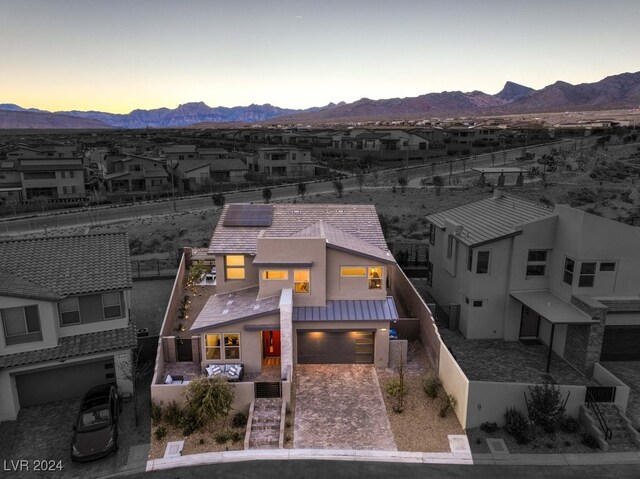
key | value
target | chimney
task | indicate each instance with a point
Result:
(497, 193)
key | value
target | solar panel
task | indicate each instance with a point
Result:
(248, 215)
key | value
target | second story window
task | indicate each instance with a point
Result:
(587, 275)
(449, 246)
(351, 271)
(375, 277)
(470, 259)
(234, 267)
(301, 281)
(432, 233)
(536, 262)
(569, 266)
(90, 308)
(482, 265)
(275, 274)
(21, 325)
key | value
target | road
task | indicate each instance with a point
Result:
(93, 216)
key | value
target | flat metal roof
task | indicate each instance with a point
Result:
(551, 307)
(349, 310)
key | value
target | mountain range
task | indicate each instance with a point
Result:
(613, 92)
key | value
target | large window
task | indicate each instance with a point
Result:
(569, 266)
(234, 267)
(212, 346)
(469, 259)
(301, 281)
(482, 264)
(587, 275)
(231, 345)
(449, 246)
(21, 325)
(275, 274)
(375, 277)
(91, 308)
(536, 262)
(351, 271)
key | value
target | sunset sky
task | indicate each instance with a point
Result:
(114, 55)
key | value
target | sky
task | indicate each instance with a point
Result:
(116, 56)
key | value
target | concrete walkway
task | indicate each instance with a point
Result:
(340, 406)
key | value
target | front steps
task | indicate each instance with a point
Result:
(265, 425)
(624, 437)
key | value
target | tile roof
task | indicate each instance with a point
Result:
(15, 286)
(490, 219)
(228, 164)
(75, 346)
(622, 305)
(338, 239)
(360, 221)
(67, 265)
(231, 307)
(349, 310)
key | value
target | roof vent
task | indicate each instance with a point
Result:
(458, 229)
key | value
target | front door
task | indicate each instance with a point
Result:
(271, 344)
(529, 323)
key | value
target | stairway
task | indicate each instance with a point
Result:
(622, 439)
(265, 425)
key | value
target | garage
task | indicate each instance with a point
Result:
(335, 347)
(63, 382)
(621, 343)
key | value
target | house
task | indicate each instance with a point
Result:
(179, 152)
(282, 162)
(64, 308)
(514, 270)
(295, 284)
(135, 174)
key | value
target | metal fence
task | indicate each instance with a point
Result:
(154, 267)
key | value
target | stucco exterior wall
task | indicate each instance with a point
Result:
(455, 383)
(225, 286)
(339, 287)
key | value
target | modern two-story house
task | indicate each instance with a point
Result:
(511, 269)
(64, 309)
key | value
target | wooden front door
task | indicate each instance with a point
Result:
(529, 323)
(271, 344)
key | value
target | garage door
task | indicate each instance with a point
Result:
(621, 343)
(335, 347)
(54, 384)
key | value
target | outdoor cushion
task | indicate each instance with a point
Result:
(233, 370)
(213, 370)
(169, 379)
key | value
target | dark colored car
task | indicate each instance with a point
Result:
(96, 429)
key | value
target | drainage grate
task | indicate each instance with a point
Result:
(268, 390)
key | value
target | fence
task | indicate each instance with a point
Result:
(410, 254)
(146, 268)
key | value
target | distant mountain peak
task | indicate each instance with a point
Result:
(513, 91)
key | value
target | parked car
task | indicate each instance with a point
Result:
(95, 433)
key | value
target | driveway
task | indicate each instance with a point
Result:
(340, 406)
(45, 432)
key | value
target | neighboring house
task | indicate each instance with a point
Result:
(512, 269)
(282, 162)
(64, 309)
(51, 178)
(135, 174)
(229, 170)
(10, 183)
(180, 152)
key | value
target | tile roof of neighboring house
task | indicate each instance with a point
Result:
(228, 164)
(51, 167)
(155, 173)
(15, 286)
(231, 307)
(348, 310)
(67, 265)
(191, 165)
(75, 346)
(360, 221)
(338, 239)
(120, 174)
(622, 305)
(490, 219)
(371, 136)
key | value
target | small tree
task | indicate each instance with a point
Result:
(208, 400)
(218, 199)
(437, 184)
(546, 406)
(302, 189)
(339, 187)
(266, 194)
(132, 371)
(402, 182)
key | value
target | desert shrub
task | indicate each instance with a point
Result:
(545, 406)
(239, 420)
(448, 405)
(208, 400)
(173, 414)
(396, 389)
(569, 424)
(590, 441)
(545, 201)
(489, 427)
(517, 425)
(189, 422)
(236, 436)
(156, 412)
(160, 433)
(222, 437)
(430, 386)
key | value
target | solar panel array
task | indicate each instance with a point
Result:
(248, 215)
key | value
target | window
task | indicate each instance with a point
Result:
(536, 262)
(482, 265)
(235, 267)
(449, 246)
(348, 271)
(607, 266)
(469, 259)
(432, 233)
(478, 303)
(301, 281)
(21, 325)
(62, 174)
(90, 308)
(587, 275)
(430, 273)
(275, 274)
(569, 266)
(231, 345)
(375, 277)
(212, 346)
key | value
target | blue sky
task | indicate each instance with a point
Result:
(114, 55)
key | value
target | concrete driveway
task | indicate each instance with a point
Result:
(340, 406)
(45, 432)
